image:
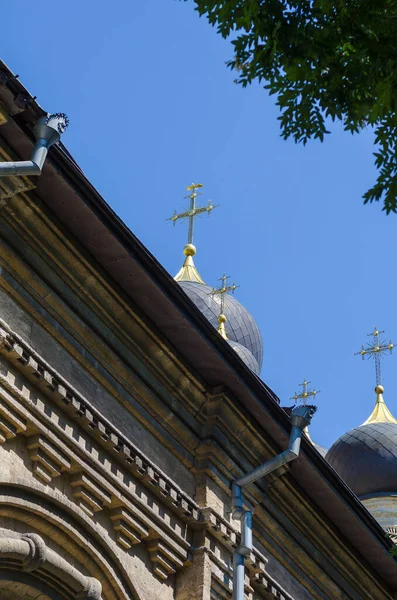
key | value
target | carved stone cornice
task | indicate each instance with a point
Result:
(103, 470)
(55, 387)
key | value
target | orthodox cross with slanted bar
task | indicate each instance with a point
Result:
(224, 289)
(193, 210)
(376, 350)
(305, 393)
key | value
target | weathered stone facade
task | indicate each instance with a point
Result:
(118, 449)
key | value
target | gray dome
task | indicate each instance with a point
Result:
(240, 325)
(246, 356)
(366, 458)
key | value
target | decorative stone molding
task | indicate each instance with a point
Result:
(98, 485)
(165, 561)
(47, 461)
(53, 385)
(37, 554)
(129, 529)
(10, 422)
(268, 588)
(29, 553)
(90, 496)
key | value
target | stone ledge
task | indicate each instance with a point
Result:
(51, 382)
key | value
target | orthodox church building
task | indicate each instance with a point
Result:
(142, 456)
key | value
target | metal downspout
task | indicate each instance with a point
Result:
(47, 132)
(300, 418)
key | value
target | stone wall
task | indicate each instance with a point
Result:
(118, 459)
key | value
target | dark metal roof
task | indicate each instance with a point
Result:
(246, 356)
(240, 325)
(138, 276)
(366, 458)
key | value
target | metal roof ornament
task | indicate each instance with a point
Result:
(305, 393)
(376, 350)
(188, 271)
(380, 414)
(221, 291)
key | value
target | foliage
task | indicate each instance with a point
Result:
(324, 60)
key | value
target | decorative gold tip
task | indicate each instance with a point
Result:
(188, 272)
(380, 414)
(221, 329)
(189, 250)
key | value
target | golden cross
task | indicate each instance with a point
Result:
(221, 291)
(306, 393)
(193, 210)
(376, 350)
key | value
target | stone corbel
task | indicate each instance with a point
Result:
(11, 423)
(165, 561)
(129, 529)
(47, 461)
(90, 496)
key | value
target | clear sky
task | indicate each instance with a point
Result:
(153, 108)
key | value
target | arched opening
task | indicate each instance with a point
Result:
(67, 533)
(17, 586)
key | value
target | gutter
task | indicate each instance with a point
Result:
(300, 418)
(47, 132)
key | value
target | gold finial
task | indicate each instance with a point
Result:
(376, 350)
(380, 414)
(188, 271)
(221, 291)
(221, 328)
(305, 393)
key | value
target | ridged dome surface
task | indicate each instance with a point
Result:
(240, 325)
(366, 458)
(246, 356)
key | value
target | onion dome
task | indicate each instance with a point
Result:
(366, 457)
(240, 327)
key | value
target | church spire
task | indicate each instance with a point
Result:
(380, 414)
(221, 291)
(188, 272)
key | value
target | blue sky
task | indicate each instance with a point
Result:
(153, 108)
